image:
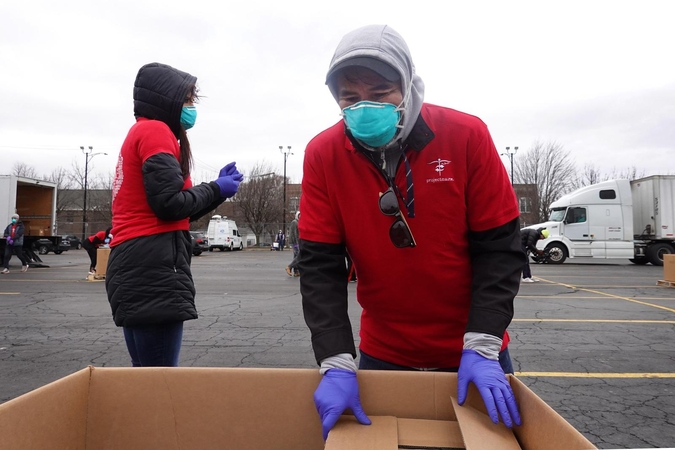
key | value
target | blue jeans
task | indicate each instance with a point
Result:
(368, 362)
(154, 345)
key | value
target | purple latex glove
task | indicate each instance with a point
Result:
(229, 169)
(489, 378)
(228, 180)
(338, 391)
(228, 186)
(10, 241)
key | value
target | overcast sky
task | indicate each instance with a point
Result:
(597, 77)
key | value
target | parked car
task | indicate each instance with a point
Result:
(44, 246)
(75, 241)
(200, 243)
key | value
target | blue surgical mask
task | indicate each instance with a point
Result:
(13, 220)
(188, 116)
(372, 123)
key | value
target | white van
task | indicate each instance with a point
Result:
(223, 234)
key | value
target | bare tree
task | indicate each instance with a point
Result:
(549, 167)
(61, 178)
(589, 175)
(76, 176)
(260, 197)
(21, 169)
(101, 196)
(630, 173)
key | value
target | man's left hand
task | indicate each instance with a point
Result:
(489, 378)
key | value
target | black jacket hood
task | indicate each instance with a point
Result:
(159, 94)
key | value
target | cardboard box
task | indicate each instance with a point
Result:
(247, 409)
(669, 268)
(102, 256)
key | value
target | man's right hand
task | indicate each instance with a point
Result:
(338, 391)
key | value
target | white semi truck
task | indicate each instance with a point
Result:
(618, 219)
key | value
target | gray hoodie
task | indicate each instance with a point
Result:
(385, 44)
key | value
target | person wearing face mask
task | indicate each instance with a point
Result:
(417, 196)
(14, 244)
(148, 280)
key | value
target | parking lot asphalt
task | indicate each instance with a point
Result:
(594, 340)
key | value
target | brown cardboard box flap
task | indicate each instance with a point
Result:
(429, 433)
(479, 432)
(348, 433)
(542, 427)
(53, 416)
(390, 433)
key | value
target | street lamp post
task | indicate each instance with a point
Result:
(88, 155)
(286, 152)
(510, 153)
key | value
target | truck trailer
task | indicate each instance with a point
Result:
(613, 219)
(35, 203)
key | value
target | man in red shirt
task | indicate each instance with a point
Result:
(418, 197)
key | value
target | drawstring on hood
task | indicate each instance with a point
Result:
(381, 49)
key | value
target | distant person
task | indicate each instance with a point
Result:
(281, 240)
(528, 239)
(418, 197)
(148, 281)
(91, 245)
(14, 243)
(293, 241)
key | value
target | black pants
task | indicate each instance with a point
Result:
(91, 251)
(18, 251)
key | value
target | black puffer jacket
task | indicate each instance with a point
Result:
(529, 238)
(148, 278)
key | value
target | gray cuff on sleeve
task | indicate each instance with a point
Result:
(344, 361)
(485, 345)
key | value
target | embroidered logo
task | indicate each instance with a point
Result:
(440, 166)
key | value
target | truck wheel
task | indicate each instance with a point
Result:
(557, 253)
(43, 250)
(231, 247)
(639, 261)
(79, 246)
(210, 249)
(58, 252)
(241, 246)
(197, 252)
(656, 251)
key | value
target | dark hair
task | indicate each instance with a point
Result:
(185, 151)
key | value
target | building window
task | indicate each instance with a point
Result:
(293, 204)
(69, 217)
(525, 205)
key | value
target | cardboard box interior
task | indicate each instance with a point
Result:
(200, 408)
(34, 205)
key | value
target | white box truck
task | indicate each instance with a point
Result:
(223, 234)
(613, 219)
(35, 203)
